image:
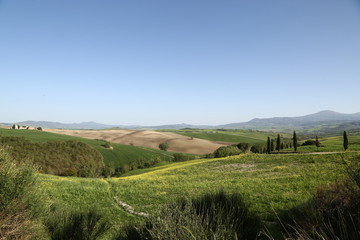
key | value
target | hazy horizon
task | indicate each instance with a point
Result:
(163, 124)
(159, 62)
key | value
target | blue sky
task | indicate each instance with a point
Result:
(153, 62)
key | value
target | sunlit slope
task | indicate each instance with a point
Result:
(147, 138)
(119, 155)
(268, 182)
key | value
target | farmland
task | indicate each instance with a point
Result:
(228, 135)
(119, 155)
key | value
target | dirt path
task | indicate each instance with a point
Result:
(129, 209)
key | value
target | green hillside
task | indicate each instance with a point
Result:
(229, 135)
(118, 156)
(268, 182)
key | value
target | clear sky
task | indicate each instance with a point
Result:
(153, 62)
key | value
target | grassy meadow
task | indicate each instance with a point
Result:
(269, 183)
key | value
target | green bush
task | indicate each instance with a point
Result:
(108, 171)
(213, 216)
(309, 143)
(243, 147)
(226, 151)
(179, 157)
(259, 148)
(333, 212)
(142, 163)
(107, 145)
(125, 168)
(163, 146)
(76, 225)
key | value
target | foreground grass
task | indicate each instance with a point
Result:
(270, 183)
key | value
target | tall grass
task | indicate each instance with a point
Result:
(16, 194)
(333, 213)
(212, 216)
(77, 225)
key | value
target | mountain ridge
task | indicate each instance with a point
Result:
(325, 117)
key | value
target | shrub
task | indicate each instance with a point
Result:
(70, 172)
(108, 171)
(163, 146)
(107, 145)
(209, 155)
(308, 143)
(333, 213)
(213, 216)
(259, 148)
(125, 168)
(141, 163)
(74, 225)
(226, 151)
(244, 147)
(179, 157)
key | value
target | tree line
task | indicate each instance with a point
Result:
(271, 146)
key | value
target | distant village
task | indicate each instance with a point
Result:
(17, 126)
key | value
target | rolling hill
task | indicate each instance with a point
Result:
(116, 157)
(147, 138)
(301, 122)
(269, 183)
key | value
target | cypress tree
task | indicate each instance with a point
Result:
(278, 143)
(345, 142)
(295, 141)
(268, 146)
(272, 145)
(317, 143)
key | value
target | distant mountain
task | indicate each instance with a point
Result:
(321, 120)
(333, 130)
(97, 126)
(179, 126)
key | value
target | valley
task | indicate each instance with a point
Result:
(270, 184)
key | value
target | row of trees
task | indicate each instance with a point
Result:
(280, 145)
